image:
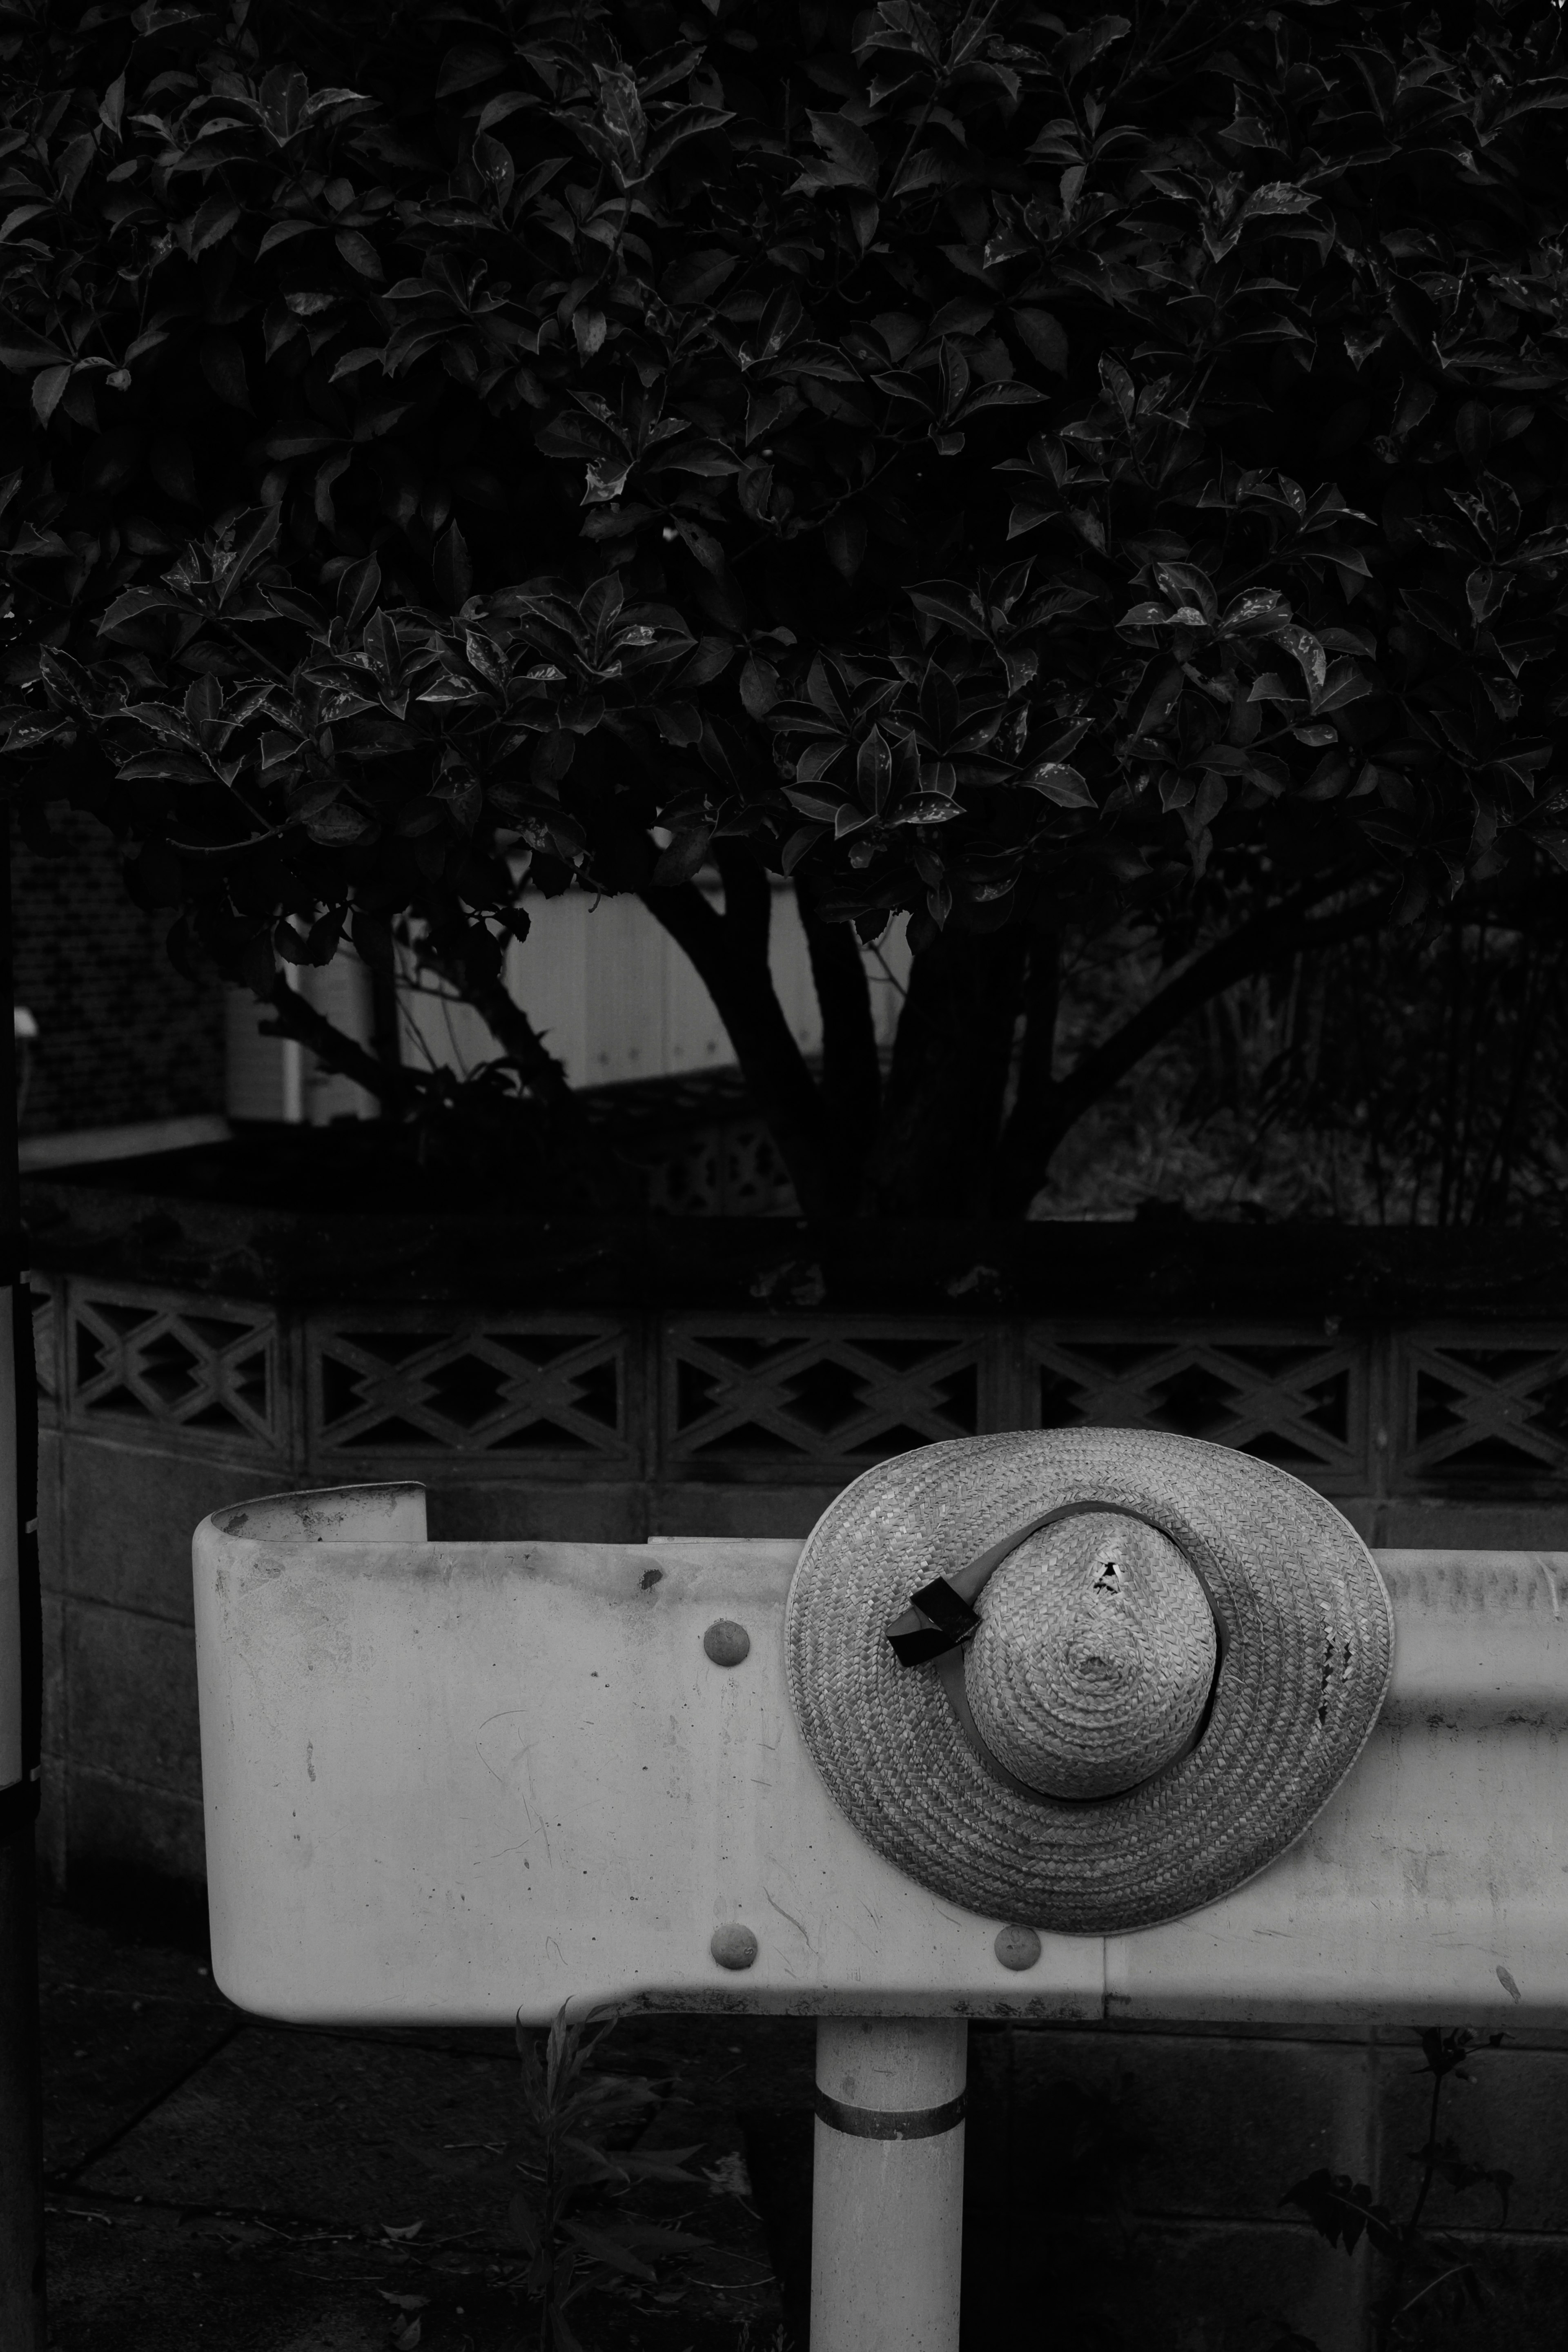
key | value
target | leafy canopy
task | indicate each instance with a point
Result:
(992, 463)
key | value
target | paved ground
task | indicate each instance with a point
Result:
(221, 2185)
(218, 2183)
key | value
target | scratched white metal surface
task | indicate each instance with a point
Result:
(449, 1782)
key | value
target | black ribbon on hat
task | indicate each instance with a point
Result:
(937, 1618)
(942, 1615)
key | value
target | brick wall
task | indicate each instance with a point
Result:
(122, 1038)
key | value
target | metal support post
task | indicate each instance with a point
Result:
(886, 2224)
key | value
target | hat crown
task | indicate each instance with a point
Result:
(1095, 1656)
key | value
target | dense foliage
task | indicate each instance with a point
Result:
(1412, 1076)
(1023, 470)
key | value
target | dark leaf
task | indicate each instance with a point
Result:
(49, 389)
(697, 276)
(466, 66)
(845, 536)
(942, 602)
(848, 147)
(183, 767)
(22, 351)
(358, 590)
(223, 364)
(683, 858)
(211, 225)
(1343, 2211)
(338, 825)
(1079, 49)
(553, 757)
(1044, 338)
(359, 253)
(1058, 782)
(453, 568)
(759, 686)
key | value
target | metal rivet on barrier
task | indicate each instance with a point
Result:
(734, 1947)
(726, 1642)
(1017, 1948)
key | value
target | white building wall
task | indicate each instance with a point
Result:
(276, 1077)
(600, 979)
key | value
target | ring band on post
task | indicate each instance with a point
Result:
(890, 2123)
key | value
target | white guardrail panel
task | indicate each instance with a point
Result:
(457, 1783)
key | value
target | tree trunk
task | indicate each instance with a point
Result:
(737, 977)
(1027, 1141)
(951, 1059)
(851, 1085)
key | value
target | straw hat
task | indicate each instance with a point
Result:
(1084, 1679)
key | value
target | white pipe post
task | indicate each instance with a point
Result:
(887, 2219)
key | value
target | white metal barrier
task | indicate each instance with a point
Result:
(457, 1783)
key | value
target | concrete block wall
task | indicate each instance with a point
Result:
(122, 1760)
(1191, 2138)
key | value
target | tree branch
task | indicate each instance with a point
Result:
(508, 1024)
(851, 1066)
(587, 1165)
(297, 1018)
(1265, 939)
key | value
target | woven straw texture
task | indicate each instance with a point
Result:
(1307, 1648)
(1094, 1658)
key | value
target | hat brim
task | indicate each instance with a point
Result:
(1307, 1648)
